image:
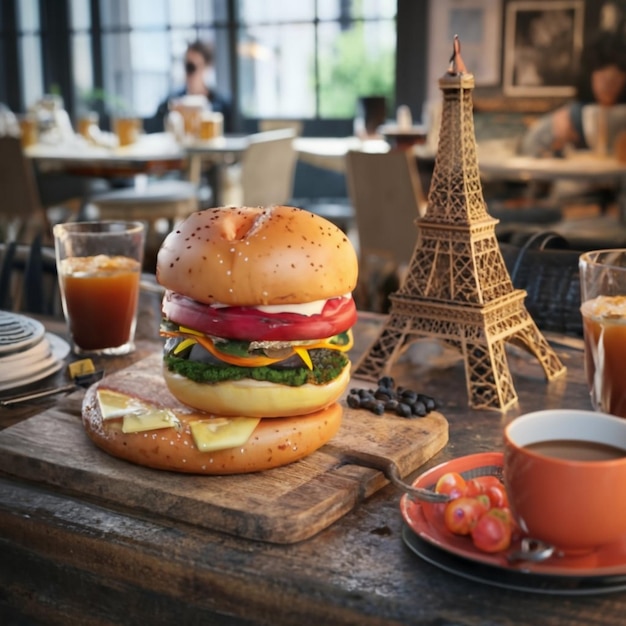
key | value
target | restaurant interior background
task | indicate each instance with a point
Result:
(302, 60)
(307, 62)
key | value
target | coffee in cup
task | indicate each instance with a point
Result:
(563, 471)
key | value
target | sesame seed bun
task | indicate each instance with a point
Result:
(251, 256)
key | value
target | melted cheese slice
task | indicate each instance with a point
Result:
(113, 404)
(211, 434)
(137, 416)
(220, 433)
(150, 420)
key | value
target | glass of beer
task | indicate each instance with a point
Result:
(603, 309)
(211, 125)
(29, 130)
(191, 109)
(127, 129)
(88, 125)
(99, 267)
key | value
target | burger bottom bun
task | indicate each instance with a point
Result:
(273, 443)
(253, 398)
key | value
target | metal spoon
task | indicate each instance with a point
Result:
(392, 473)
(531, 549)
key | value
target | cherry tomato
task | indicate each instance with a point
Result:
(249, 323)
(492, 532)
(462, 514)
(497, 496)
(452, 484)
(516, 531)
(473, 488)
(480, 484)
(483, 498)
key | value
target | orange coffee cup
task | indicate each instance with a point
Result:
(563, 470)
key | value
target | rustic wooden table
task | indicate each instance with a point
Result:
(67, 560)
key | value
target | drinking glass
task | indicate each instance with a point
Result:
(88, 125)
(127, 129)
(603, 309)
(211, 125)
(29, 130)
(99, 267)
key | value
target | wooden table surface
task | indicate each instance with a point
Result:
(67, 561)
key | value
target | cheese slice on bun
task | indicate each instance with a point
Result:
(132, 415)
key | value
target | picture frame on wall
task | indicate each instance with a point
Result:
(543, 42)
(478, 24)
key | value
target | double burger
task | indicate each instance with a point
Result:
(257, 316)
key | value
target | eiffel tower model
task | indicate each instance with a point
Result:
(457, 288)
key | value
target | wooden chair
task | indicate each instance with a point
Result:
(21, 212)
(387, 196)
(279, 124)
(28, 278)
(265, 174)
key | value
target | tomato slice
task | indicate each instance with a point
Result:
(248, 323)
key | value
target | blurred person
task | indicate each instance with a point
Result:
(199, 65)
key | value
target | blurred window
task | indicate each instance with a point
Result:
(143, 45)
(82, 58)
(314, 58)
(29, 50)
(294, 58)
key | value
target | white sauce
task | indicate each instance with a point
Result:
(306, 308)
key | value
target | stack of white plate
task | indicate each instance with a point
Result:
(27, 352)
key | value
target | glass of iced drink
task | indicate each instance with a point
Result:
(603, 296)
(99, 268)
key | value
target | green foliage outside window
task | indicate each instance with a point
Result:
(351, 70)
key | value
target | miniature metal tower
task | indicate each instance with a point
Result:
(457, 288)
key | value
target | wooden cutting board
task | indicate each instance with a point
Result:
(283, 505)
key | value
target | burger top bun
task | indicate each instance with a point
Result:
(257, 256)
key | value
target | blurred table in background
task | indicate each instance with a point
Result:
(329, 152)
(582, 167)
(158, 153)
(153, 154)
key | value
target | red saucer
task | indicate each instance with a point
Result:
(609, 560)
